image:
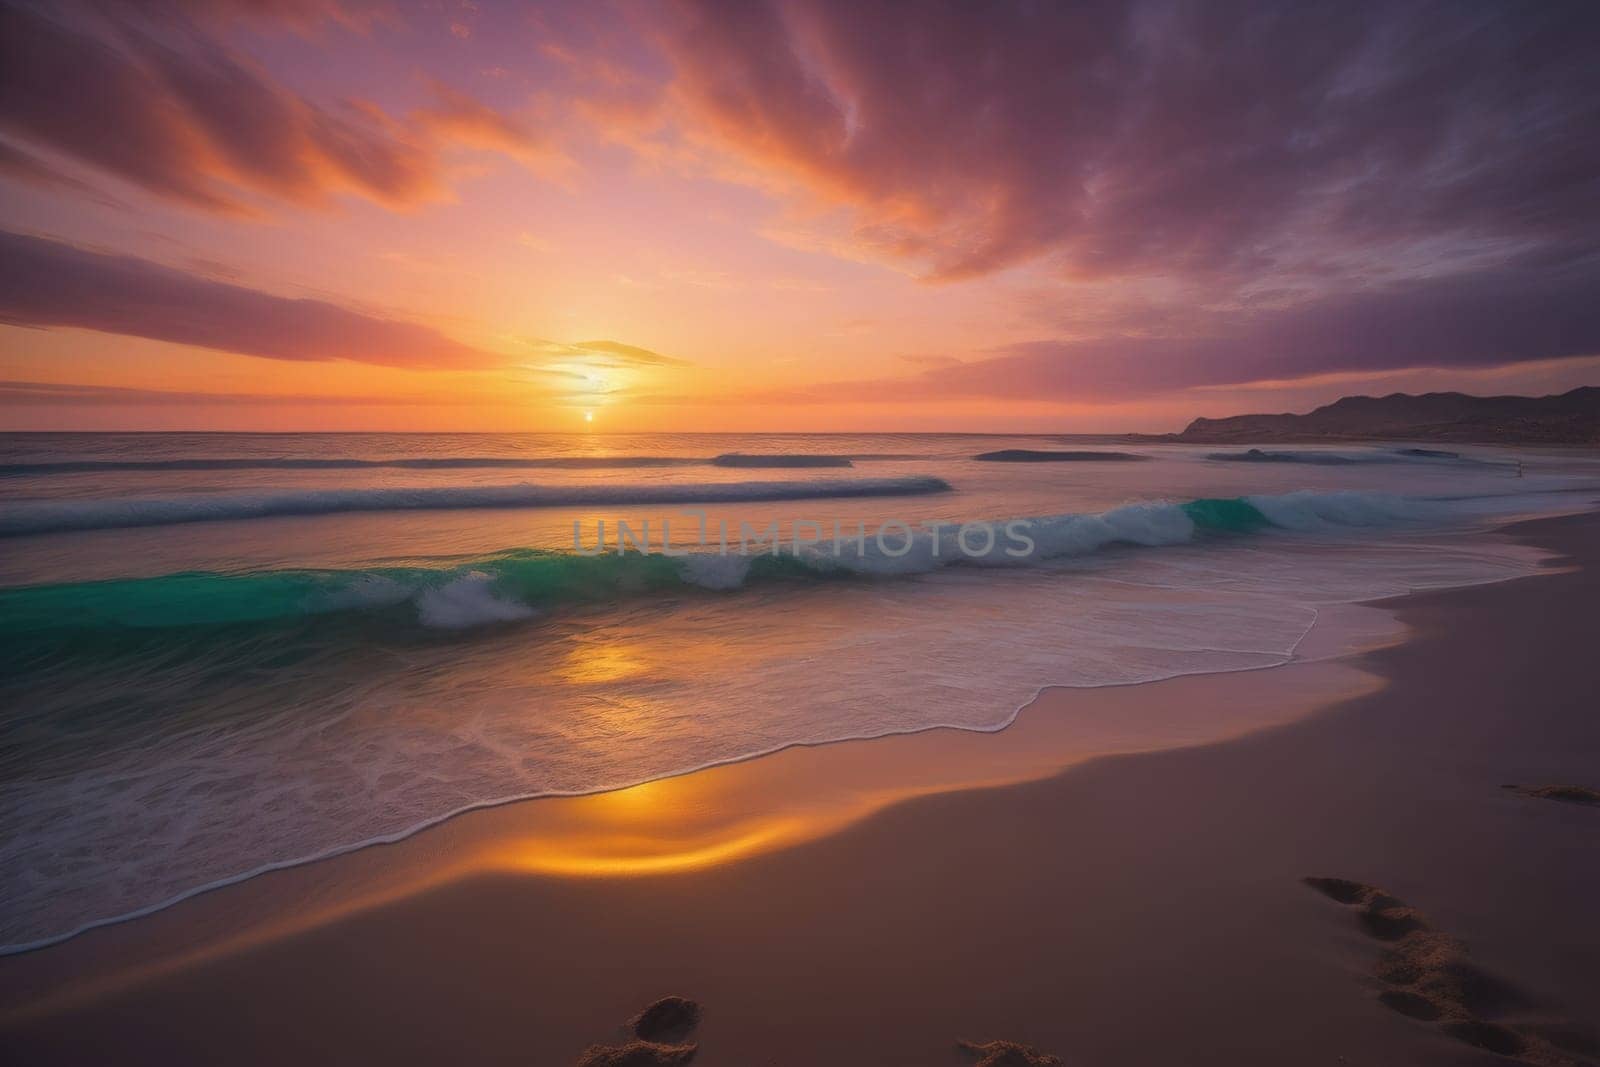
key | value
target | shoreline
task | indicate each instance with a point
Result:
(1341, 646)
(1344, 645)
(955, 759)
(1018, 764)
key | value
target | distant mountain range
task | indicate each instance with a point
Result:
(1570, 418)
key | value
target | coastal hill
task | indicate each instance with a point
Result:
(1570, 418)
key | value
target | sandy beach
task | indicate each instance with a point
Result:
(799, 533)
(873, 902)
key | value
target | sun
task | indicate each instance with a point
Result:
(588, 416)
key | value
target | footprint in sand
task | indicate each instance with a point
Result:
(1008, 1054)
(660, 1038)
(1570, 794)
(1427, 975)
(661, 1033)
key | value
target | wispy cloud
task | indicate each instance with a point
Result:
(24, 166)
(1151, 137)
(157, 98)
(182, 117)
(455, 117)
(604, 353)
(631, 354)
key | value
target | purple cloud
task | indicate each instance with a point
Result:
(1157, 136)
(1355, 187)
(47, 283)
(153, 95)
(1520, 312)
(16, 394)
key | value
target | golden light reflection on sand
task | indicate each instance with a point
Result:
(674, 827)
(638, 855)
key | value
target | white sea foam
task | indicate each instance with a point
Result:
(469, 600)
(715, 571)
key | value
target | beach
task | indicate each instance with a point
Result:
(1140, 908)
(587, 535)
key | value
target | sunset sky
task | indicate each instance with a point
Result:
(297, 214)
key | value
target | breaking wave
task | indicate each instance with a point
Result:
(519, 584)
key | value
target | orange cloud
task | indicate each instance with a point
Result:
(463, 120)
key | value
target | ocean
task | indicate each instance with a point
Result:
(228, 653)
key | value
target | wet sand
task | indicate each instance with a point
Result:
(872, 902)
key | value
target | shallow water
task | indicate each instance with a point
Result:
(199, 683)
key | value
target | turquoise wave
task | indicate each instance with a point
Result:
(518, 584)
(530, 577)
(1226, 515)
